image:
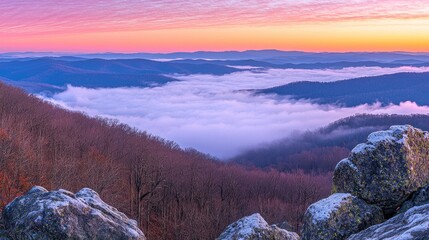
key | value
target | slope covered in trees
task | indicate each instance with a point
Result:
(320, 150)
(173, 193)
(386, 89)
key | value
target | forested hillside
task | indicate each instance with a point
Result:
(173, 193)
(320, 150)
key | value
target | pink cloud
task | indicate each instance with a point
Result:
(62, 16)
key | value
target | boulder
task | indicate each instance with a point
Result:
(386, 169)
(284, 225)
(254, 227)
(418, 198)
(412, 225)
(339, 216)
(41, 214)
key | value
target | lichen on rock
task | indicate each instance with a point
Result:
(410, 225)
(386, 169)
(41, 214)
(339, 216)
(421, 197)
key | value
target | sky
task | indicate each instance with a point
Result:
(191, 25)
(210, 113)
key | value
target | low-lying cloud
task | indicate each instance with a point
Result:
(209, 114)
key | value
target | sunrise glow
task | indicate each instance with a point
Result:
(186, 25)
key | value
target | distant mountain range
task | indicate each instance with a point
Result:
(317, 65)
(52, 75)
(386, 89)
(271, 56)
(51, 72)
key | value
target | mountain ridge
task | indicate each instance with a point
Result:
(384, 89)
(49, 75)
(271, 55)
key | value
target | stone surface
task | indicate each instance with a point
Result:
(421, 197)
(254, 227)
(339, 216)
(41, 214)
(386, 169)
(285, 225)
(411, 225)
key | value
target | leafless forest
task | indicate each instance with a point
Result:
(172, 193)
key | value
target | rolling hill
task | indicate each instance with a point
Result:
(386, 89)
(52, 75)
(315, 65)
(271, 56)
(321, 150)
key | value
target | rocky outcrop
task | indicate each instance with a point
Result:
(254, 227)
(386, 169)
(339, 216)
(384, 177)
(412, 225)
(419, 198)
(41, 214)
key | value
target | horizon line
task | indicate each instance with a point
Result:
(205, 51)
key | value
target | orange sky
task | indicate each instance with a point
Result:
(168, 26)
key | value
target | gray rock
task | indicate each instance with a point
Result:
(421, 197)
(254, 227)
(285, 225)
(41, 214)
(386, 169)
(411, 225)
(339, 216)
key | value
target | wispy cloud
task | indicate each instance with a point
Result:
(59, 16)
(209, 114)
